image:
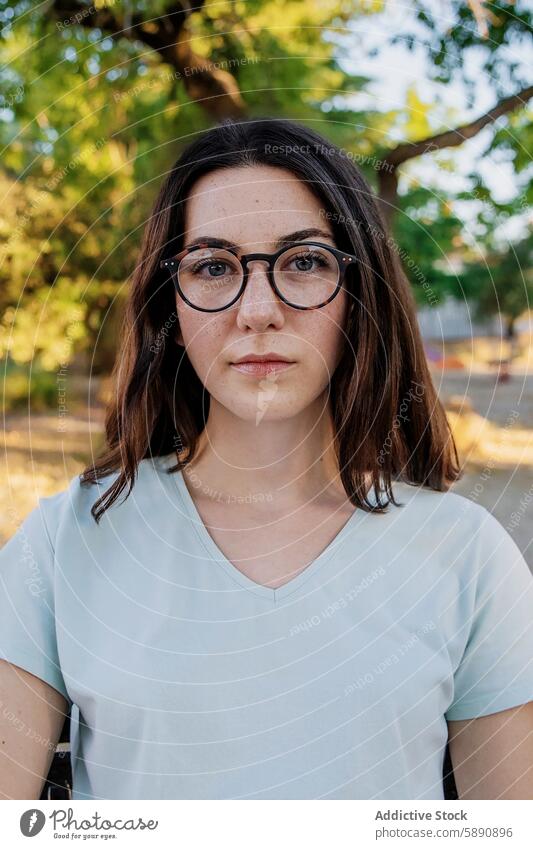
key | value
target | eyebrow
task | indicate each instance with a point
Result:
(297, 236)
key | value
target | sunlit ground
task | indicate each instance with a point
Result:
(40, 459)
(492, 423)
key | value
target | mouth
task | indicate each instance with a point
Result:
(254, 364)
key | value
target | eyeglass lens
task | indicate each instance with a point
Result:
(210, 278)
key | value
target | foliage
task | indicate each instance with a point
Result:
(24, 386)
(90, 122)
(504, 282)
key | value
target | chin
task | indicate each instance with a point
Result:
(257, 410)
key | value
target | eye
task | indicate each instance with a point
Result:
(308, 261)
(217, 266)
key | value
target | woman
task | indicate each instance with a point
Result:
(287, 601)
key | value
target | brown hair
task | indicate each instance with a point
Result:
(388, 421)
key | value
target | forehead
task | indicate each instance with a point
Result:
(252, 199)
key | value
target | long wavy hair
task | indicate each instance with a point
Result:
(387, 419)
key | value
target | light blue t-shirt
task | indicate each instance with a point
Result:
(189, 680)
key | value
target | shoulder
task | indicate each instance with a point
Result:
(445, 521)
(436, 507)
(74, 503)
(453, 538)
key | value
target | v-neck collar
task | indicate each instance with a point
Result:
(177, 483)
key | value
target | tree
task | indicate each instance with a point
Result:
(495, 34)
(503, 283)
(388, 175)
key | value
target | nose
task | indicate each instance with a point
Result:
(259, 306)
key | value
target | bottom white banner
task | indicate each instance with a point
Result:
(270, 824)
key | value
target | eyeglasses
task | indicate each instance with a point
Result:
(304, 275)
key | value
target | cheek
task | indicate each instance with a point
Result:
(323, 332)
(204, 337)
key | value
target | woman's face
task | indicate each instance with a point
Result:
(253, 207)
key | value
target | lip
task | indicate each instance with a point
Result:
(262, 367)
(270, 357)
(261, 364)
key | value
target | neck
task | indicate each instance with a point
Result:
(284, 463)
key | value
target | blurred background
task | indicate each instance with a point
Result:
(430, 99)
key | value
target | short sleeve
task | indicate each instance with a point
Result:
(27, 610)
(496, 669)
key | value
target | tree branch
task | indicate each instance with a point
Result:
(215, 90)
(387, 175)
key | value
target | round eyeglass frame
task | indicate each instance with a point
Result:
(344, 260)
